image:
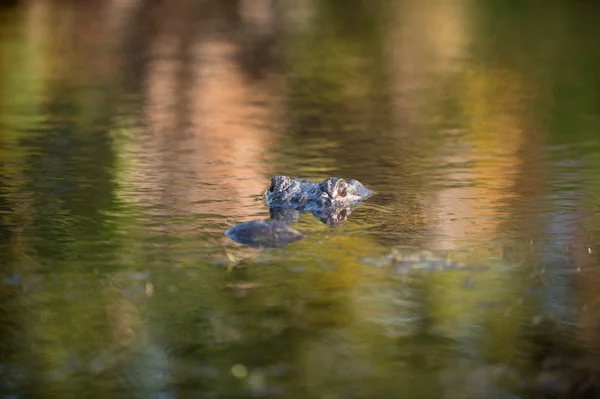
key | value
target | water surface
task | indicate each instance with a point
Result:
(133, 134)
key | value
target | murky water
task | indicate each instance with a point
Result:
(133, 134)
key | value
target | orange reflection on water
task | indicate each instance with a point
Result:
(207, 122)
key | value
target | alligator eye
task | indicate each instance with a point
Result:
(343, 214)
(342, 189)
(272, 187)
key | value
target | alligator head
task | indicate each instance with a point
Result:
(331, 193)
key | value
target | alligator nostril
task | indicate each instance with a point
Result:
(343, 214)
(272, 187)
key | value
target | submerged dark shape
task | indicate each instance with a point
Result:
(565, 377)
(331, 193)
(405, 262)
(263, 234)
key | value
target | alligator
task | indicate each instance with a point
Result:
(331, 201)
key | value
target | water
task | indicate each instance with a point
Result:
(133, 134)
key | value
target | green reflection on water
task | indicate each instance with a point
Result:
(133, 136)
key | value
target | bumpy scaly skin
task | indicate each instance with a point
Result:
(332, 193)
